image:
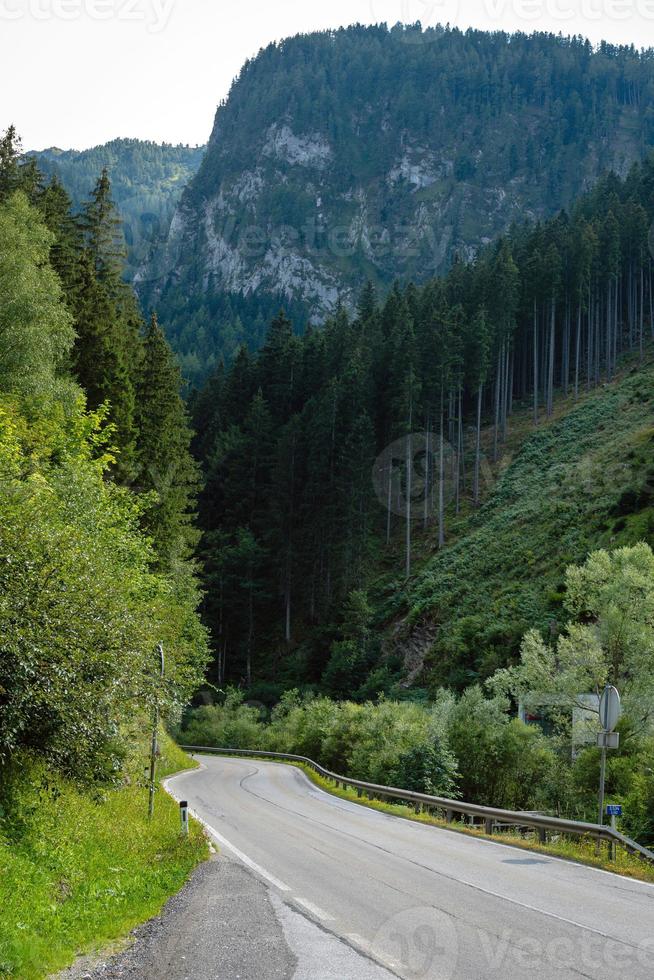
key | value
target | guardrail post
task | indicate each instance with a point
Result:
(542, 835)
(449, 816)
(489, 826)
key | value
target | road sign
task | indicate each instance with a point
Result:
(613, 810)
(609, 713)
(609, 708)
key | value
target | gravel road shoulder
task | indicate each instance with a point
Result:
(226, 924)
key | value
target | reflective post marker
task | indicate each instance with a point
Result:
(183, 813)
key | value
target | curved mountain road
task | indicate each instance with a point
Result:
(421, 901)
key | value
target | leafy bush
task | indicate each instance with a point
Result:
(426, 769)
(80, 607)
(231, 725)
(502, 761)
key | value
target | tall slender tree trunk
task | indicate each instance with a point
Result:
(389, 500)
(409, 487)
(475, 488)
(550, 375)
(589, 340)
(250, 640)
(427, 491)
(289, 558)
(460, 455)
(578, 350)
(498, 402)
(609, 345)
(441, 484)
(642, 314)
(535, 363)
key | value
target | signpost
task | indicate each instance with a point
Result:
(154, 748)
(613, 811)
(609, 713)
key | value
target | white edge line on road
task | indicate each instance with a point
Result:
(625, 879)
(258, 870)
(314, 910)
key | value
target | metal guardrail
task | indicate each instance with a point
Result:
(492, 817)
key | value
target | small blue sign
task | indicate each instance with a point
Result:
(614, 811)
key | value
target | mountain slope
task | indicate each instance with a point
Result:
(582, 481)
(353, 155)
(147, 182)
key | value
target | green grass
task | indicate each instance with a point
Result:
(582, 851)
(78, 872)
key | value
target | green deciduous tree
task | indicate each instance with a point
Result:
(36, 331)
(609, 639)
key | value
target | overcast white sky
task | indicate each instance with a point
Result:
(75, 73)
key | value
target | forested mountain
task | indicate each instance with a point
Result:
(348, 472)
(353, 155)
(147, 180)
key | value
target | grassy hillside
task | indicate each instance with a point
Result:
(77, 870)
(581, 481)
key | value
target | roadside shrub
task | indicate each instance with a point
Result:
(232, 725)
(502, 762)
(81, 608)
(429, 768)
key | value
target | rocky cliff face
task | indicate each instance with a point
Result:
(344, 157)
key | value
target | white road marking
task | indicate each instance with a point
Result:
(285, 888)
(569, 862)
(248, 862)
(314, 910)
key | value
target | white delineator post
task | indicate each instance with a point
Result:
(183, 813)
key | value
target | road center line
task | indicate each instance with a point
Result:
(248, 862)
(443, 874)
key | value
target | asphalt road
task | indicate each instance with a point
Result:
(420, 901)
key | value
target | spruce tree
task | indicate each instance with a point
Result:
(10, 151)
(163, 456)
(103, 366)
(103, 237)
